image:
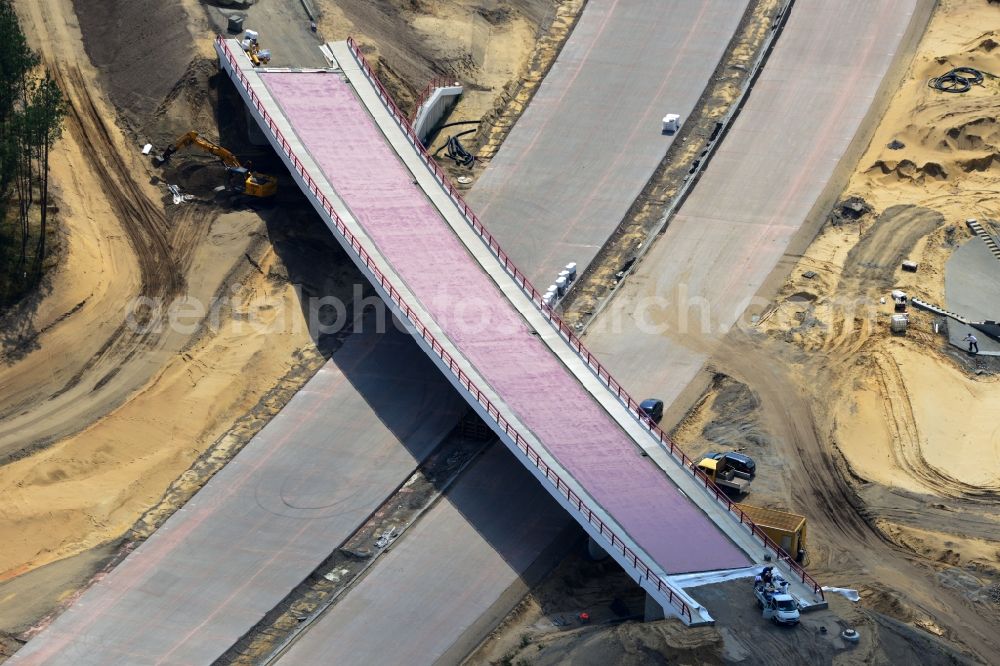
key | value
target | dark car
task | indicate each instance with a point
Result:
(653, 408)
(743, 465)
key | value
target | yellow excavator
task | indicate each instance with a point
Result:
(238, 177)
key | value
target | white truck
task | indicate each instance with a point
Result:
(776, 603)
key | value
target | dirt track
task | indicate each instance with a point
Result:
(53, 406)
(144, 220)
(143, 223)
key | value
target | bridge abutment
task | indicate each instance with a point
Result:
(653, 610)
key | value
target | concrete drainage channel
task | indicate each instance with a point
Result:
(275, 634)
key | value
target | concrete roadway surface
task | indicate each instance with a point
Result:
(757, 192)
(972, 289)
(267, 519)
(283, 27)
(590, 139)
(450, 579)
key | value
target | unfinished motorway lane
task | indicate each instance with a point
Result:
(266, 520)
(760, 190)
(590, 139)
(442, 588)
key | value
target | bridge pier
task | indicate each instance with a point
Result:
(255, 135)
(594, 550)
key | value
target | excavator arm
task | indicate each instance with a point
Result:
(193, 138)
(249, 182)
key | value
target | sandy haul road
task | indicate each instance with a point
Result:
(58, 406)
(132, 229)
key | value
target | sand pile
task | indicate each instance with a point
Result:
(482, 43)
(934, 146)
(908, 170)
(142, 49)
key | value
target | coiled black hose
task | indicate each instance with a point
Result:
(456, 151)
(958, 80)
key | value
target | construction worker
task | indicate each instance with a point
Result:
(973, 343)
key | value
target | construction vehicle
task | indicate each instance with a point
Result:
(723, 475)
(742, 464)
(776, 604)
(238, 177)
(788, 530)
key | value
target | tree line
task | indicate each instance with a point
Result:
(32, 109)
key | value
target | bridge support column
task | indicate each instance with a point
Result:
(654, 611)
(254, 133)
(594, 550)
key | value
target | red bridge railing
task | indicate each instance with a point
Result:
(562, 487)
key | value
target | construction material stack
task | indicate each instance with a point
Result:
(788, 530)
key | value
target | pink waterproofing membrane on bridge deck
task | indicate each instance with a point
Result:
(415, 239)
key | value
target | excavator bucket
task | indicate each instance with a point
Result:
(161, 159)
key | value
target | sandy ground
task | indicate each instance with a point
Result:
(926, 412)
(482, 43)
(896, 432)
(104, 427)
(910, 413)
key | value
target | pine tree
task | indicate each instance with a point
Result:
(48, 107)
(31, 114)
